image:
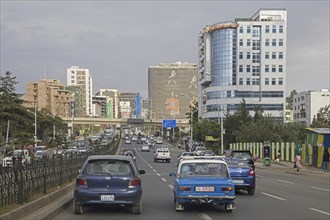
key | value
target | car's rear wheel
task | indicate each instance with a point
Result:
(77, 209)
(251, 192)
(137, 208)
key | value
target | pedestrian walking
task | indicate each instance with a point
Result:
(278, 155)
(297, 162)
(325, 160)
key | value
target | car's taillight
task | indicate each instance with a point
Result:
(251, 173)
(133, 183)
(81, 182)
(185, 188)
(227, 188)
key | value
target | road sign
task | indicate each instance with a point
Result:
(169, 123)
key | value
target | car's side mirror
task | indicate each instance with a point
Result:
(142, 171)
(172, 174)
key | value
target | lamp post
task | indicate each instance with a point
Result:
(35, 124)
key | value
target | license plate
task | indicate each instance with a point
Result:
(238, 181)
(107, 197)
(204, 189)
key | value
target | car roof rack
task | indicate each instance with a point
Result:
(202, 157)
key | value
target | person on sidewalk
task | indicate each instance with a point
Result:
(278, 156)
(325, 160)
(297, 162)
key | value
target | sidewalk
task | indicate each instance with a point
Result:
(287, 167)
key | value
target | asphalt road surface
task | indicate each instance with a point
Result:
(278, 195)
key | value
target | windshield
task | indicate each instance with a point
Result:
(204, 169)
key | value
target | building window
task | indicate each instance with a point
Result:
(255, 81)
(248, 68)
(248, 42)
(248, 29)
(267, 42)
(267, 68)
(241, 42)
(241, 81)
(274, 42)
(241, 29)
(240, 69)
(248, 55)
(256, 31)
(248, 81)
(273, 81)
(274, 29)
(255, 70)
(273, 68)
(280, 55)
(266, 81)
(267, 55)
(256, 57)
(267, 29)
(256, 45)
(280, 42)
(240, 55)
(273, 55)
(280, 68)
(72, 81)
(280, 81)
(280, 29)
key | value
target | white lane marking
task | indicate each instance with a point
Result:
(320, 211)
(275, 197)
(314, 187)
(154, 170)
(158, 174)
(284, 181)
(204, 216)
(164, 179)
(171, 187)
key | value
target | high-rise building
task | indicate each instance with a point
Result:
(112, 102)
(81, 77)
(129, 105)
(49, 94)
(307, 104)
(172, 89)
(243, 59)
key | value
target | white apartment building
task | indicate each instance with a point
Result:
(244, 59)
(81, 77)
(307, 104)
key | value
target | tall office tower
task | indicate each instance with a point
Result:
(172, 88)
(243, 59)
(112, 104)
(49, 94)
(307, 104)
(81, 77)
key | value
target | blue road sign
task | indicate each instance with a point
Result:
(169, 123)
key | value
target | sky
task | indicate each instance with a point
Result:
(118, 40)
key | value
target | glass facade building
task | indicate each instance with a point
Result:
(243, 59)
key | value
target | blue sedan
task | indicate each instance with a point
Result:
(243, 175)
(203, 181)
(108, 179)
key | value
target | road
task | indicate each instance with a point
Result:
(278, 195)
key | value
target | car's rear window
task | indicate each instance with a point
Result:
(204, 169)
(109, 167)
(237, 163)
(243, 155)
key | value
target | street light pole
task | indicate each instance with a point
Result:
(35, 124)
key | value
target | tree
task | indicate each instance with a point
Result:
(289, 99)
(322, 118)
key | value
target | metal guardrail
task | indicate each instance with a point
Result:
(20, 184)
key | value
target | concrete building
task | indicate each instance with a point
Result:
(172, 87)
(112, 102)
(307, 104)
(77, 102)
(102, 106)
(243, 59)
(48, 94)
(129, 105)
(81, 77)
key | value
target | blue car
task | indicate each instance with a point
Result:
(243, 174)
(108, 179)
(203, 181)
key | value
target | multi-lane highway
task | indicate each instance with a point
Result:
(278, 195)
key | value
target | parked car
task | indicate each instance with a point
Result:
(243, 154)
(203, 181)
(242, 174)
(145, 147)
(108, 179)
